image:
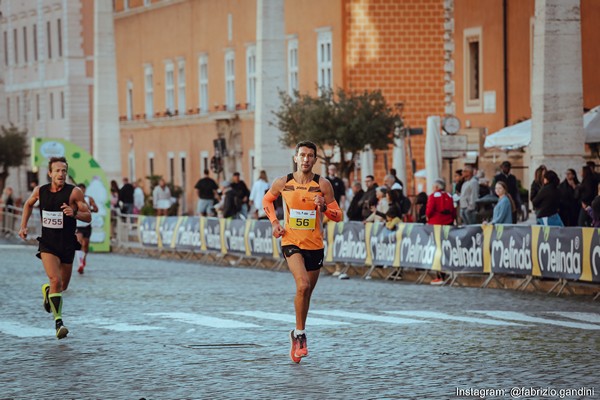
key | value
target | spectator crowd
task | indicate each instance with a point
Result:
(470, 199)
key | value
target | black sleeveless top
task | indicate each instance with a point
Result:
(58, 230)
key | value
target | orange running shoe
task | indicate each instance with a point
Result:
(294, 344)
(302, 350)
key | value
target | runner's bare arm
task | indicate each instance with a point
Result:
(27, 209)
(93, 206)
(327, 203)
(77, 207)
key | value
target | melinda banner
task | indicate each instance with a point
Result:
(233, 236)
(549, 252)
(510, 250)
(259, 239)
(461, 248)
(147, 234)
(188, 234)
(348, 242)
(558, 252)
(166, 231)
(417, 248)
(383, 245)
(210, 234)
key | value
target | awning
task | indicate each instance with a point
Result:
(519, 135)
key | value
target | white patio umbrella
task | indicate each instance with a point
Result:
(519, 135)
(366, 164)
(433, 152)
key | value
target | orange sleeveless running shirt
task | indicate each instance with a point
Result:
(302, 219)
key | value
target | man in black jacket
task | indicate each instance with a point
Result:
(126, 197)
(354, 212)
(369, 198)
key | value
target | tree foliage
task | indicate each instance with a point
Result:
(345, 120)
(13, 151)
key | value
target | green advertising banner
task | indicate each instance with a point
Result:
(82, 169)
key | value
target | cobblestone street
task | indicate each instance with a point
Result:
(157, 329)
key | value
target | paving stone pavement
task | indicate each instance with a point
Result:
(163, 329)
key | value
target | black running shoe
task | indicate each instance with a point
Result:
(45, 292)
(61, 330)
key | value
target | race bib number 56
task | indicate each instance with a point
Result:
(303, 219)
(52, 219)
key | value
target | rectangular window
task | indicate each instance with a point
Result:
(131, 166)
(149, 89)
(473, 70)
(16, 46)
(251, 77)
(204, 158)
(129, 100)
(35, 46)
(51, 105)
(292, 66)
(203, 79)
(230, 80)
(151, 163)
(324, 57)
(171, 167)
(37, 106)
(6, 48)
(49, 35)
(59, 32)
(182, 168)
(169, 88)
(25, 44)
(62, 105)
(181, 87)
(8, 109)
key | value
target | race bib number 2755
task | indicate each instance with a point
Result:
(52, 219)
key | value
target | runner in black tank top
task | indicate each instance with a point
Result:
(61, 242)
(60, 206)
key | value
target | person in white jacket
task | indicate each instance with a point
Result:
(138, 198)
(259, 188)
(161, 198)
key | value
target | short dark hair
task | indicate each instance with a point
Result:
(306, 143)
(81, 186)
(506, 164)
(56, 159)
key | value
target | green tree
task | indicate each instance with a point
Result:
(345, 120)
(13, 151)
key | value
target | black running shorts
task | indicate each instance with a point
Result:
(66, 256)
(313, 259)
(86, 231)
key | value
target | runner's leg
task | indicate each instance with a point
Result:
(303, 288)
(65, 271)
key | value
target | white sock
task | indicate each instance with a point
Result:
(298, 332)
(79, 257)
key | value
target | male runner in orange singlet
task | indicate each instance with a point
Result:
(306, 196)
